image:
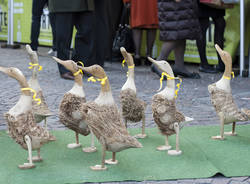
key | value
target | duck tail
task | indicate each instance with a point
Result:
(246, 112)
(135, 143)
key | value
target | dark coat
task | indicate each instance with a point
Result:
(206, 11)
(56, 6)
(178, 20)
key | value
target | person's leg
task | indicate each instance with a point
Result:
(151, 33)
(52, 18)
(179, 67)
(37, 10)
(219, 29)
(137, 36)
(64, 29)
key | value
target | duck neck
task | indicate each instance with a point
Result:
(224, 82)
(78, 79)
(130, 83)
(169, 91)
(77, 89)
(105, 97)
(24, 84)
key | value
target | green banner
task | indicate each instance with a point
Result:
(3, 20)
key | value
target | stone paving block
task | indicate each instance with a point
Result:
(221, 180)
(203, 181)
(188, 181)
(240, 178)
(238, 182)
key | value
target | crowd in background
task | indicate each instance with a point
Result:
(96, 22)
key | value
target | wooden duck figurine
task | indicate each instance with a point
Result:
(222, 99)
(133, 109)
(21, 122)
(168, 119)
(103, 117)
(70, 110)
(40, 111)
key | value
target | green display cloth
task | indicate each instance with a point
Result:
(202, 157)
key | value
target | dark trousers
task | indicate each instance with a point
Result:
(37, 10)
(84, 49)
(219, 23)
(52, 18)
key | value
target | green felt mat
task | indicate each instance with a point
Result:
(202, 157)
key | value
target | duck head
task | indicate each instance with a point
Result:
(68, 64)
(32, 54)
(13, 73)
(96, 70)
(164, 66)
(127, 56)
(227, 60)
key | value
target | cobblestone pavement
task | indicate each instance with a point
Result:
(193, 99)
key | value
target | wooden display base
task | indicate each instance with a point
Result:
(163, 148)
(73, 146)
(174, 152)
(89, 149)
(26, 166)
(110, 162)
(98, 168)
(140, 136)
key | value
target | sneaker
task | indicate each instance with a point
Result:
(52, 53)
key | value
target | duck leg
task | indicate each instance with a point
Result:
(112, 161)
(164, 147)
(126, 123)
(142, 135)
(177, 151)
(221, 136)
(92, 148)
(37, 158)
(101, 167)
(75, 145)
(30, 164)
(45, 124)
(233, 133)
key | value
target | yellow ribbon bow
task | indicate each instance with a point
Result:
(33, 65)
(228, 78)
(170, 78)
(123, 62)
(103, 80)
(34, 96)
(80, 70)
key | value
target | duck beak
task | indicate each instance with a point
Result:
(219, 50)
(58, 60)
(124, 52)
(86, 69)
(3, 69)
(153, 61)
(127, 56)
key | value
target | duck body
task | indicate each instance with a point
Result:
(70, 113)
(165, 114)
(132, 107)
(223, 102)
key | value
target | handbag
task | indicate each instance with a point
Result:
(123, 36)
(219, 4)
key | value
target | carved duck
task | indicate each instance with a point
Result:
(222, 99)
(103, 117)
(133, 109)
(41, 111)
(168, 119)
(21, 122)
(70, 110)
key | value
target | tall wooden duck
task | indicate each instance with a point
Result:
(103, 117)
(21, 122)
(70, 110)
(41, 111)
(133, 109)
(168, 119)
(222, 99)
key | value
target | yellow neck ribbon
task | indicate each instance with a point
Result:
(170, 78)
(33, 65)
(130, 67)
(93, 79)
(80, 70)
(228, 78)
(34, 96)
(123, 62)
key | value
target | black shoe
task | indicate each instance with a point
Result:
(219, 68)
(186, 74)
(137, 61)
(147, 62)
(207, 69)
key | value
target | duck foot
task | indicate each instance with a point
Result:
(89, 149)
(36, 159)
(174, 152)
(111, 162)
(98, 168)
(218, 137)
(230, 133)
(73, 146)
(163, 148)
(140, 136)
(27, 166)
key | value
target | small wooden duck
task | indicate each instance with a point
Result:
(41, 111)
(168, 119)
(103, 117)
(21, 122)
(70, 110)
(222, 99)
(133, 109)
